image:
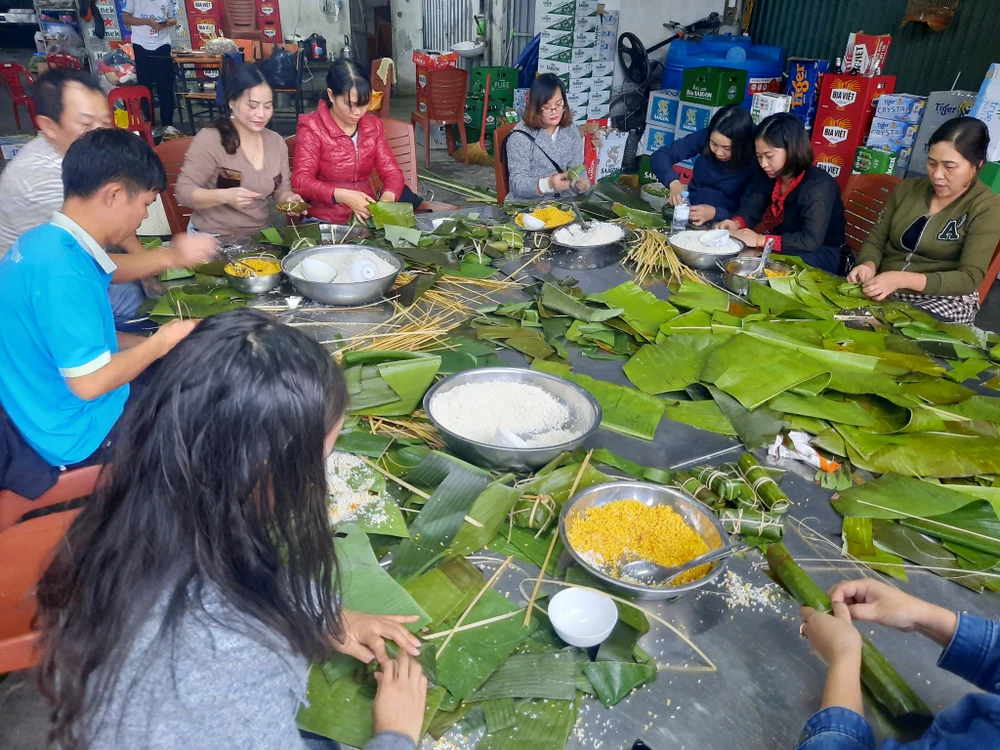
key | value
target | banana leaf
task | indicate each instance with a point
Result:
(538, 725)
(859, 544)
(976, 526)
(893, 496)
(772, 301)
(674, 364)
(401, 376)
(465, 353)
(920, 549)
(970, 368)
(441, 518)
(620, 644)
(705, 415)
(528, 341)
(355, 439)
(702, 297)
(402, 236)
(754, 427)
(471, 268)
(692, 320)
(365, 586)
(559, 482)
(830, 407)
(637, 218)
(430, 257)
(624, 410)
(446, 590)
(443, 720)
(473, 655)
(554, 298)
(608, 193)
(613, 681)
(490, 509)
(976, 407)
(392, 214)
(194, 301)
(628, 614)
(937, 392)
(544, 675)
(602, 456)
(173, 274)
(524, 545)
(642, 309)
(500, 714)
(922, 454)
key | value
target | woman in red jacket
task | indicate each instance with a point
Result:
(338, 146)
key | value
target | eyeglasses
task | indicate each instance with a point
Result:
(553, 110)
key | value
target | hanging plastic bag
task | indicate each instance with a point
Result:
(279, 69)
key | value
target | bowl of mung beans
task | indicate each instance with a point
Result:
(254, 274)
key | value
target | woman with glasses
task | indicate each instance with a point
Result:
(338, 146)
(542, 147)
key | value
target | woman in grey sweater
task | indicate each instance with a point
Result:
(190, 596)
(544, 145)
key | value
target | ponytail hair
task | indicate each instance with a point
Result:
(345, 75)
(238, 82)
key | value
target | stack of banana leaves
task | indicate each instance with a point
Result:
(895, 396)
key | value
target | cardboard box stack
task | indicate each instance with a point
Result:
(843, 117)
(205, 19)
(894, 128)
(661, 120)
(872, 160)
(941, 106)
(987, 109)
(805, 77)
(767, 104)
(569, 32)
(503, 83)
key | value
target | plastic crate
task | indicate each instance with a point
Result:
(501, 80)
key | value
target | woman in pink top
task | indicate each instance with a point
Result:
(233, 167)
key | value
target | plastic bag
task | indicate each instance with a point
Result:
(279, 69)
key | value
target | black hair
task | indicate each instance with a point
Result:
(734, 122)
(109, 155)
(241, 79)
(970, 136)
(346, 74)
(785, 130)
(48, 90)
(217, 488)
(543, 88)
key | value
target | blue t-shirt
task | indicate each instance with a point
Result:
(56, 323)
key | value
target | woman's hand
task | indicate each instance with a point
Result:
(240, 197)
(730, 225)
(189, 250)
(882, 285)
(862, 273)
(832, 636)
(354, 200)
(387, 197)
(676, 188)
(364, 636)
(401, 698)
(873, 601)
(293, 198)
(582, 185)
(559, 182)
(747, 236)
(702, 214)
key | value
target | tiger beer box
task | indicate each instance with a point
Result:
(805, 78)
(941, 106)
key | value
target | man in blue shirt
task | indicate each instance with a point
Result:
(971, 650)
(64, 371)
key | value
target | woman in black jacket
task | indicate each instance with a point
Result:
(798, 204)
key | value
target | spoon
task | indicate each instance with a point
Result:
(652, 574)
(768, 247)
(584, 224)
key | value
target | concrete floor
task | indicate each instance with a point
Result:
(23, 714)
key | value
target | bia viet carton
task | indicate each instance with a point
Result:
(834, 162)
(987, 109)
(713, 87)
(901, 107)
(581, 70)
(662, 109)
(868, 160)
(578, 102)
(941, 106)
(767, 104)
(866, 53)
(804, 80)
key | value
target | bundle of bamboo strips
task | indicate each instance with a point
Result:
(416, 428)
(651, 253)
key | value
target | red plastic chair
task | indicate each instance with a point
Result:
(499, 169)
(61, 60)
(14, 77)
(991, 275)
(25, 551)
(403, 143)
(172, 155)
(445, 106)
(132, 98)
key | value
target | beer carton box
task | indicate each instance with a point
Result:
(586, 23)
(595, 111)
(662, 108)
(655, 138)
(602, 83)
(713, 87)
(584, 39)
(555, 67)
(555, 8)
(586, 8)
(805, 77)
(765, 105)
(604, 68)
(868, 160)
(987, 109)
(579, 85)
(866, 53)
(557, 38)
(578, 102)
(941, 106)
(892, 134)
(836, 162)
(581, 70)
(600, 97)
(902, 107)
(520, 101)
(693, 117)
(609, 20)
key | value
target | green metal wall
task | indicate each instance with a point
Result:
(922, 60)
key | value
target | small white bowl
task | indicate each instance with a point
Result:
(715, 238)
(582, 618)
(531, 223)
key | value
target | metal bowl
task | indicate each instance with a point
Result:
(585, 411)
(734, 272)
(254, 284)
(704, 261)
(342, 292)
(696, 514)
(338, 234)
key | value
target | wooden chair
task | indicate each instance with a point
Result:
(14, 78)
(445, 106)
(290, 145)
(403, 143)
(138, 104)
(991, 275)
(268, 50)
(385, 87)
(25, 550)
(499, 168)
(864, 197)
(172, 154)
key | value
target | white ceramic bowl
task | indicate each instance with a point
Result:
(531, 223)
(582, 618)
(715, 238)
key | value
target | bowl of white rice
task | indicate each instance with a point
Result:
(694, 253)
(342, 274)
(511, 417)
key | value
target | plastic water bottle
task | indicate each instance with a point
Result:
(682, 213)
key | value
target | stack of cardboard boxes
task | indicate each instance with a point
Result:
(987, 108)
(893, 132)
(661, 120)
(805, 78)
(941, 106)
(500, 109)
(569, 49)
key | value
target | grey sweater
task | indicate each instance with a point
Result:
(527, 161)
(226, 684)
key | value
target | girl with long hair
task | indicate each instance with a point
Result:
(198, 584)
(233, 167)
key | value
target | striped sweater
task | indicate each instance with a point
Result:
(31, 190)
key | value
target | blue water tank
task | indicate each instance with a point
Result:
(764, 63)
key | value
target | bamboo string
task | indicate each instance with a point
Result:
(472, 625)
(552, 544)
(483, 590)
(394, 478)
